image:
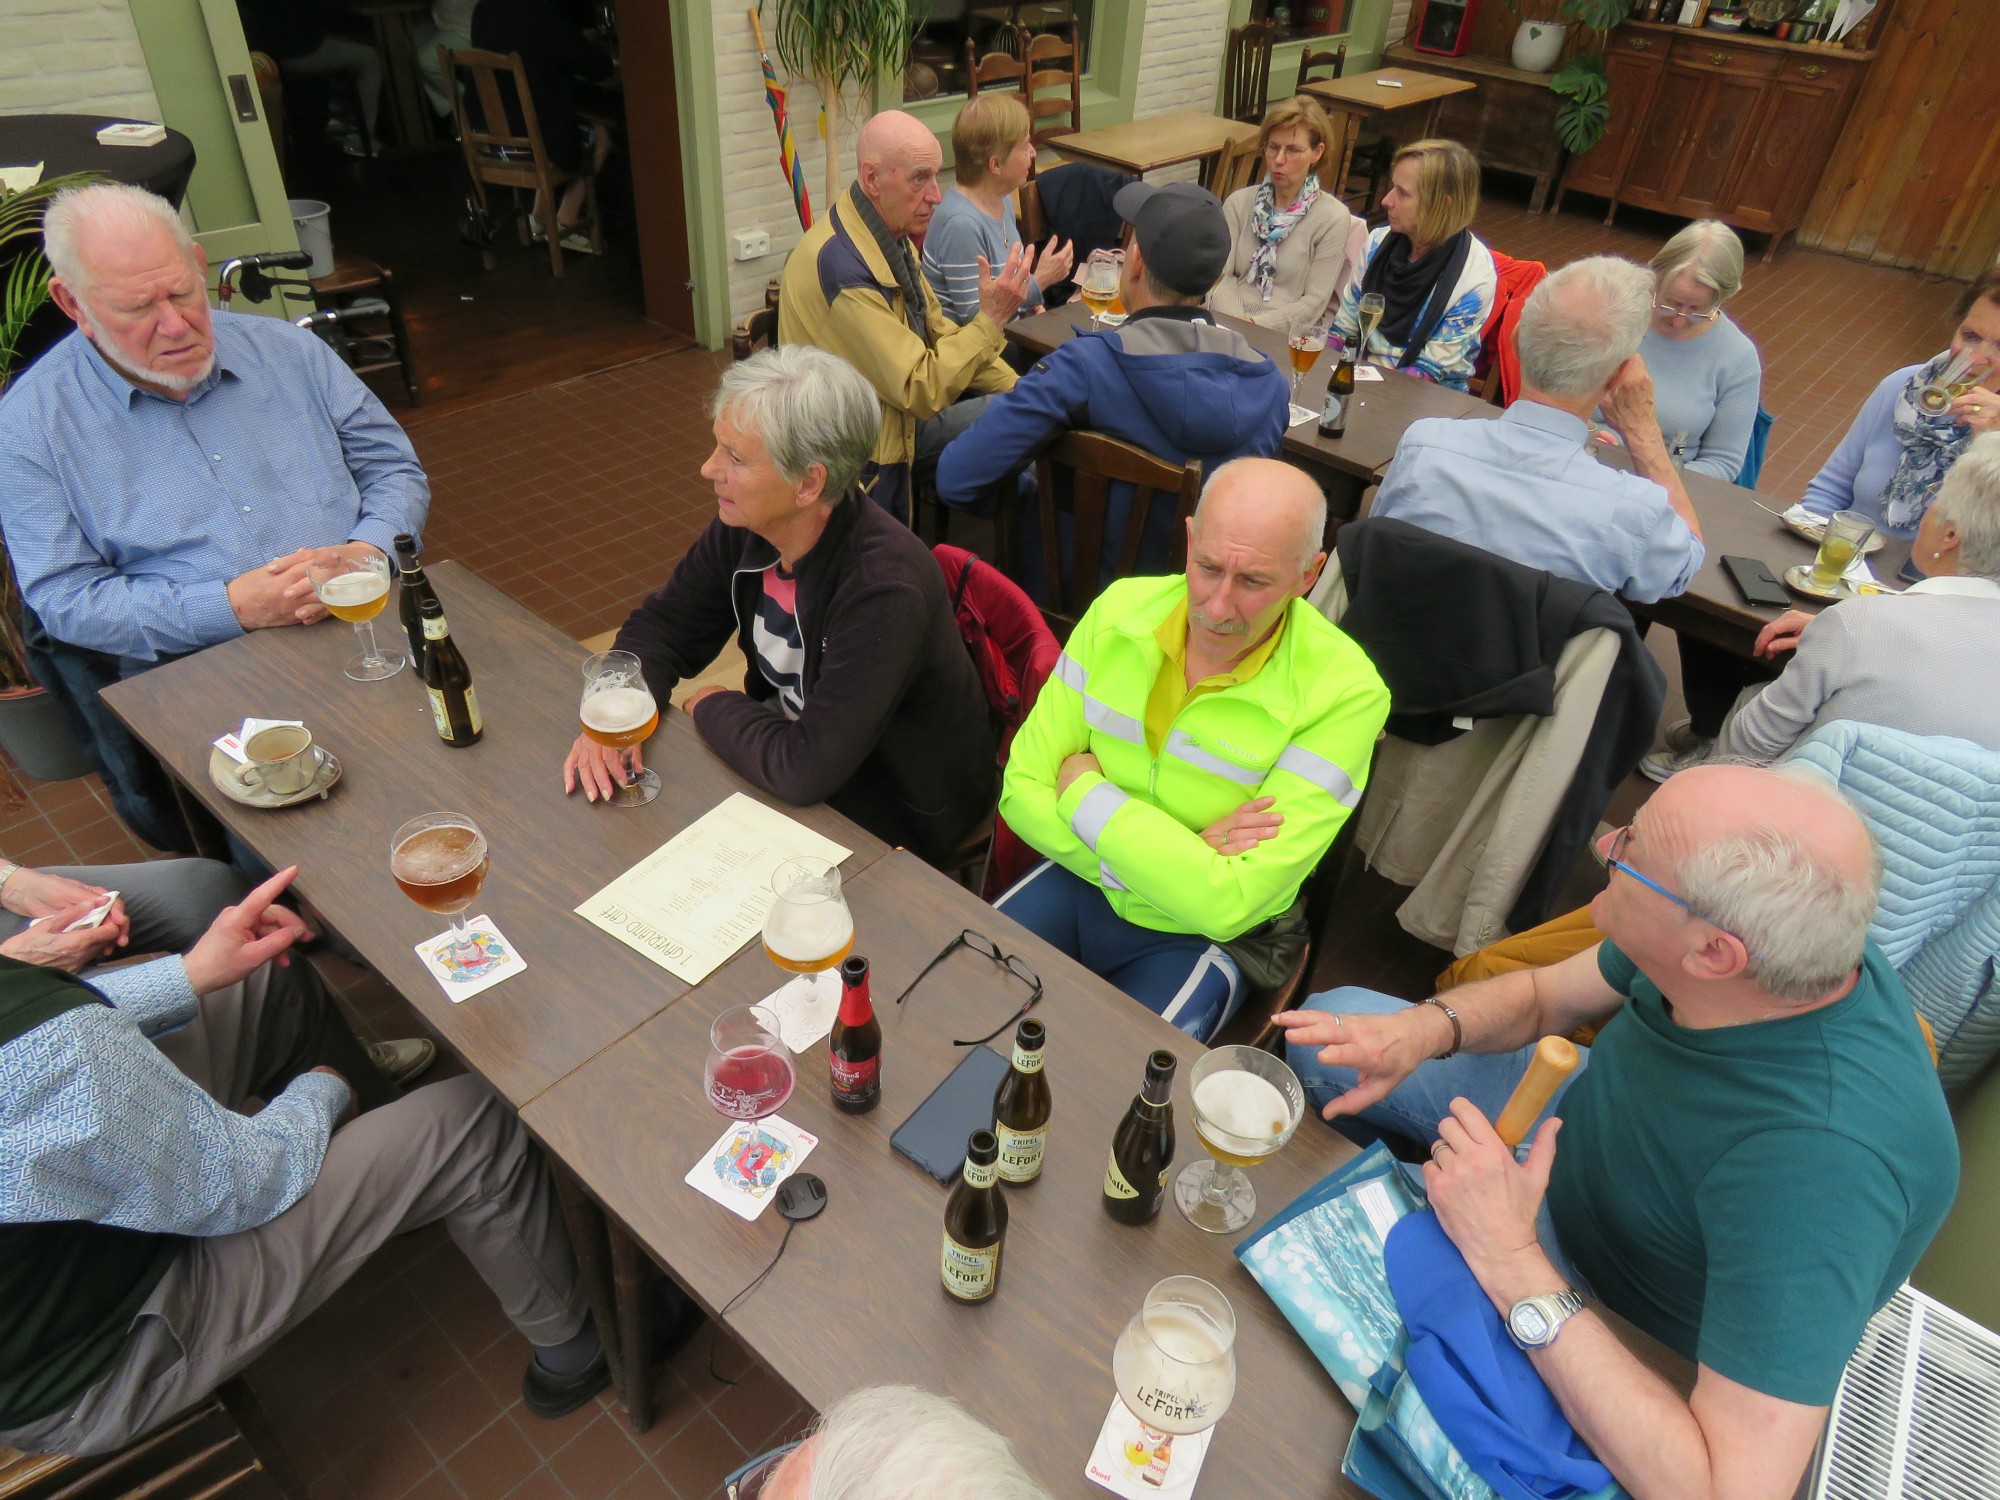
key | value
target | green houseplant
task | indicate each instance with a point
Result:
(843, 44)
(31, 725)
(1582, 83)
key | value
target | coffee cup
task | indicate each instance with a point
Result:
(282, 759)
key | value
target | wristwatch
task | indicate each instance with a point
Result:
(1534, 1322)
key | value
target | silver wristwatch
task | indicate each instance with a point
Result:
(1534, 1322)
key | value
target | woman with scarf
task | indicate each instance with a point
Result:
(1888, 467)
(1287, 234)
(1435, 278)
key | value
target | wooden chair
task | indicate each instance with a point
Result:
(1093, 462)
(1029, 215)
(1002, 64)
(222, 1450)
(350, 300)
(496, 158)
(1332, 58)
(271, 97)
(1246, 72)
(1235, 166)
(1053, 88)
(760, 329)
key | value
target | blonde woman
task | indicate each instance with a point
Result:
(1707, 375)
(1435, 278)
(991, 158)
(1287, 235)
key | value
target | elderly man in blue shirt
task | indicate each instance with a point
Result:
(1527, 486)
(167, 472)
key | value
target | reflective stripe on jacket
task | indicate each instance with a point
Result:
(1301, 731)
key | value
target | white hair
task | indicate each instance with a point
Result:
(1802, 918)
(810, 407)
(1709, 251)
(1582, 323)
(1315, 522)
(895, 1442)
(115, 208)
(1969, 498)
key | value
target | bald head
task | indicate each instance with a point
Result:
(1263, 501)
(1253, 547)
(896, 163)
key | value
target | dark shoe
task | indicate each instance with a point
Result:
(677, 1318)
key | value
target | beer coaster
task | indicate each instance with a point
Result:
(1300, 414)
(1133, 1460)
(805, 1007)
(744, 1167)
(1367, 372)
(497, 960)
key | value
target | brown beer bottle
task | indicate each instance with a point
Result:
(854, 1050)
(449, 680)
(1339, 396)
(1135, 1183)
(1021, 1108)
(410, 597)
(975, 1225)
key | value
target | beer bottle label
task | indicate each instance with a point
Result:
(855, 1080)
(436, 629)
(472, 710)
(1332, 415)
(970, 1275)
(1021, 1153)
(1115, 1185)
(438, 713)
(1026, 1061)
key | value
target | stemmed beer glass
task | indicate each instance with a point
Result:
(1246, 1104)
(439, 861)
(618, 712)
(1099, 284)
(749, 1072)
(1307, 346)
(355, 591)
(1175, 1363)
(808, 928)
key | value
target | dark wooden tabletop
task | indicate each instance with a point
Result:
(582, 989)
(856, 1299)
(1382, 408)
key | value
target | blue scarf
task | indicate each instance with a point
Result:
(1930, 446)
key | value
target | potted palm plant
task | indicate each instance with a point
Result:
(844, 45)
(32, 727)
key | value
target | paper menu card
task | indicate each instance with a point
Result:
(695, 900)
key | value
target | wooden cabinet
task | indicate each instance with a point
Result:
(1718, 125)
(1508, 121)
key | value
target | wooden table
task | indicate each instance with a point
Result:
(1382, 408)
(856, 1300)
(582, 989)
(1142, 146)
(1362, 97)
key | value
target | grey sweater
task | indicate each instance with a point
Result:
(1707, 387)
(1312, 261)
(1926, 661)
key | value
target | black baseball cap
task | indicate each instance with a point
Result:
(1181, 233)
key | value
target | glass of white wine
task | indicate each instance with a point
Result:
(1246, 1104)
(1371, 309)
(355, 591)
(1175, 1363)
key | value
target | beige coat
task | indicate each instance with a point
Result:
(1312, 265)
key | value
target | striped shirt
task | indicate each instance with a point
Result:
(960, 232)
(774, 637)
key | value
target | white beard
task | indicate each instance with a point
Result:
(168, 380)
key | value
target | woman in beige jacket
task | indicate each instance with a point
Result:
(1288, 235)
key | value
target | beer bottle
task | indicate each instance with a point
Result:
(854, 1050)
(1339, 396)
(410, 597)
(449, 680)
(1021, 1108)
(975, 1225)
(1135, 1183)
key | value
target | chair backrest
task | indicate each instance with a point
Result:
(1029, 215)
(1753, 456)
(760, 329)
(1094, 462)
(1002, 64)
(1011, 645)
(1054, 85)
(1235, 167)
(493, 152)
(1497, 372)
(1334, 59)
(1246, 71)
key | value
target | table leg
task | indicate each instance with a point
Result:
(632, 1279)
(587, 1237)
(203, 831)
(1349, 125)
(1431, 119)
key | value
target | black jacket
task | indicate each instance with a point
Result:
(895, 730)
(1458, 632)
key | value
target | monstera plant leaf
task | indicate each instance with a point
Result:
(1586, 107)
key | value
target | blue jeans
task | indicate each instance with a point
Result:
(1413, 1108)
(1181, 977)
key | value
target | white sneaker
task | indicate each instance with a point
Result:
(1680, 735)
(1664, 763)
(404, 1060)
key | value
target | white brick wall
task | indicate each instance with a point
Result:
(75, 56)
(1180, 58)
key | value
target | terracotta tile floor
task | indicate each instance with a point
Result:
(577, 498)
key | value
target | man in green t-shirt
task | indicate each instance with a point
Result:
(1754, 1158)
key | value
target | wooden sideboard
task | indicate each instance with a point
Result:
(1717, 125)
(1509, 123)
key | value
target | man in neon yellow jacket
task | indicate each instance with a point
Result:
(1200, 744)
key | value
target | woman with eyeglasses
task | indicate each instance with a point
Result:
(1707, 375)
(1288, 233)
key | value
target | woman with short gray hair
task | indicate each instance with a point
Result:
(859, 691)
(1926, 661)
(1707, 375)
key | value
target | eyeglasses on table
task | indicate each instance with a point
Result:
(981, 944)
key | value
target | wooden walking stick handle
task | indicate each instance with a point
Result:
(1554, 1060)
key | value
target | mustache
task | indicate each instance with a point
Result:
(1233, 627)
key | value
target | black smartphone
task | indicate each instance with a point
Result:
(934, 1135)
(1754, 579)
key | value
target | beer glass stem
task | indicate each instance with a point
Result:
(371, 654)
(1219, 1185)
(463, 949)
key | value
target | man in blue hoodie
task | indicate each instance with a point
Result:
(1171, 379)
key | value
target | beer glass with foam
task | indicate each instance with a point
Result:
(1246, 1104)
(809, 927)
(355, 592)
(618, 712)
(439, 861)
(1175, 1363)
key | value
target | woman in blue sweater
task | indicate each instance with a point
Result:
(1706, 372)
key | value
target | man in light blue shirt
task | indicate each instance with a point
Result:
(1526, 487)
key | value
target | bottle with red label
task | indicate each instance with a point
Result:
(854, 1050)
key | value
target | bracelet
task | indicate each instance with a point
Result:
(1457, 1031)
